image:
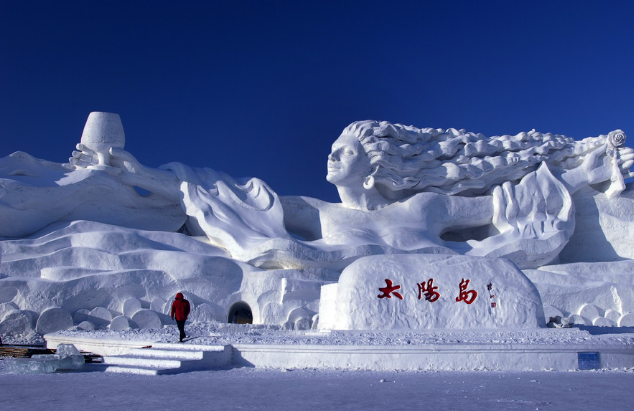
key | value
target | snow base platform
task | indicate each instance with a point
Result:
(542, 349)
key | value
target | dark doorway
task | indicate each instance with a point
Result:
(240, 313)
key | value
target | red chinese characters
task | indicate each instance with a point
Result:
(429, 291)
(427, 288)
(390, 289)
(492, 295)
(466, 296)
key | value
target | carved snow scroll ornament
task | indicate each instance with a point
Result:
(617, 184)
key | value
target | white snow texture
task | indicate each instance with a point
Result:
(516, 219)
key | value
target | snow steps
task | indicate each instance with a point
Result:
(165, 358)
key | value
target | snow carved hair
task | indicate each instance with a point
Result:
(407, 160)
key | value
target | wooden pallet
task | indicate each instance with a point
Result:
(22, 352)
(17, 351)
(92, 358)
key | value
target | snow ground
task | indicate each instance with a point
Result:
(319, 389)
(254, 389)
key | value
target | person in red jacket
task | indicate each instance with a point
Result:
(180, 311)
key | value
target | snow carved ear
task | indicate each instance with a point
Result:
(368, 183)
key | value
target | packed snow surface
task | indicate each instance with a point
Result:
(225, 334)
(284, 389)
(281, 390)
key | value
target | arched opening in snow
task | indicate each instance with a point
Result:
(240, 313)
(142, 191)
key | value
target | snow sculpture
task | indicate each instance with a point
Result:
(446, 185)
(434, 291)
(102, 131)
(403, 190)
(36, 193)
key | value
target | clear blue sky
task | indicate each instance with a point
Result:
(263, 88)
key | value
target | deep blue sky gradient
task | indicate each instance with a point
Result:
(263, 88)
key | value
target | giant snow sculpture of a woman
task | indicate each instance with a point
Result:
(408, 188)
(403, 189)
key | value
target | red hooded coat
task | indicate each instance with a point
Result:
(180, 308)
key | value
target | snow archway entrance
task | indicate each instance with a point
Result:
(240, 313)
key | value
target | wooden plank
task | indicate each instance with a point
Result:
(22, 352)
(17, 351)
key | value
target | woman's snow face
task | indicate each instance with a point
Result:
(348, 163)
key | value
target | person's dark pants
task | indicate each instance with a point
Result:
(181, 328)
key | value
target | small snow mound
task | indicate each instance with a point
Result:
(86, 326)
(7, 294)
(627, 320)
(130, 307)
(157, 305)
(205, 313)
(16, 323)
(120, 323)
(146, 319)
(100, 316)
(613, 315)
(81, 315)
(53, 319)
(6, 309)
(590, 312)
(576, 319)
(603, 322)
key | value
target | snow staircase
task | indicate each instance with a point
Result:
(165, 358)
